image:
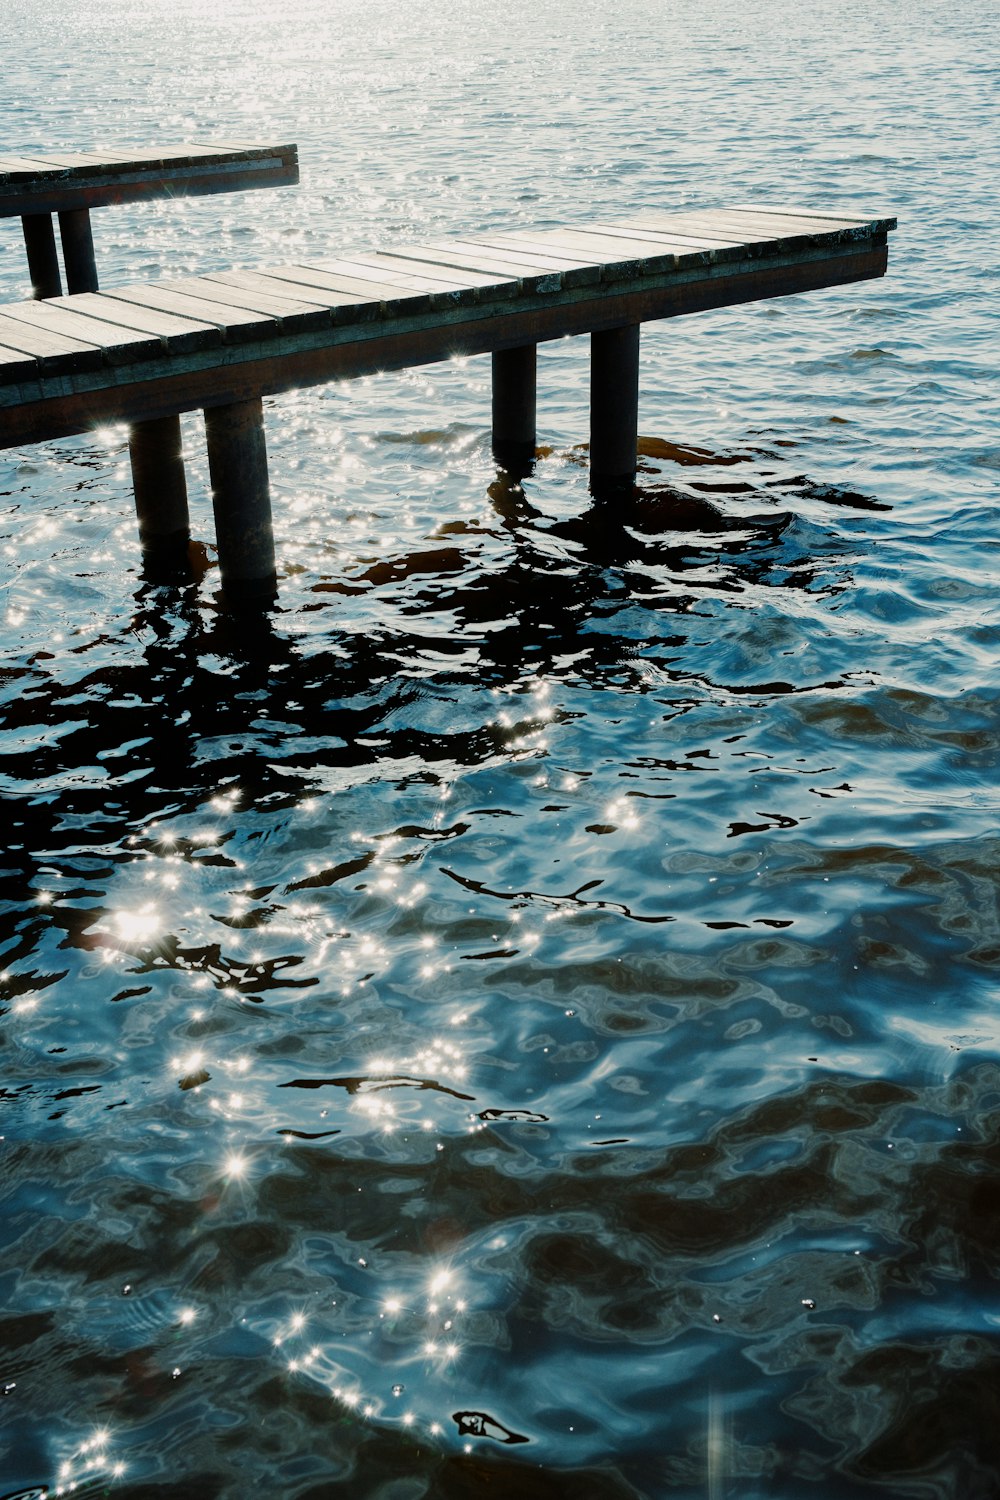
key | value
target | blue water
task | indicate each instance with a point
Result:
(540, 981)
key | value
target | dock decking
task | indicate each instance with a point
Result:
(221, 342)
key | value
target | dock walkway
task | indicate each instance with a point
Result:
(142, 354)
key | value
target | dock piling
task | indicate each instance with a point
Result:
(514, 391)
(43, 262)
(161, 500)
(241, 498)
(614, 408)
(78, 250)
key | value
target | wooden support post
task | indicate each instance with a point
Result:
(43, 263)
(78, 250)
(614, 408)
(161, 501)
(514, 387)
(241, 497)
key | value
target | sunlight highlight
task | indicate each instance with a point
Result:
(138, 924)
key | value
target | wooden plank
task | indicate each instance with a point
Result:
(559, 242)
(176, 333)
(567, 262)
(455, 278)
(497, 278)
(791, 226)
(389, 299)
(571, 272)
(510, 278)
(257, 281)
(508, 261)
(54, 352)
(233, 323)
(401, 287)
(60, 161)
(444, 291)
(748, 237)
(878, 223)
(251, 290)
(245, 150)
(715, 246)
(19, 166)
(535, 242)
(764, 228)
(636, 257)
(522, 276)
(575, 248)
(238, 289)
(776, 226)
(780, 216)
(346, 297)
(120, 345)
(342, 301)
(177, 156)
(684, 244)
(184, 163)
(240, 145)
(686, 251)
(15, 366)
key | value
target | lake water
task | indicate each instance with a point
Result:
(522, 1017)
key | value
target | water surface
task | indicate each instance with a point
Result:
(520, 1017)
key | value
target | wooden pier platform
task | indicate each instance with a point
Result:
(142, 354)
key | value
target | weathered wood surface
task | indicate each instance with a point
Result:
(56, 182)
(136, 353)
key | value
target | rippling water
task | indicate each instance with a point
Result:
(522, 1017)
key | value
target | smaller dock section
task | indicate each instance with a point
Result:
(34, 186)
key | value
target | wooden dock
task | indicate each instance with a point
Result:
(142, 354)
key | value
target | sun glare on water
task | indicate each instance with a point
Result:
(138, 924)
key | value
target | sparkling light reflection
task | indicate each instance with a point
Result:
(138, 924)
(418, 1317)
(87, 1465)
